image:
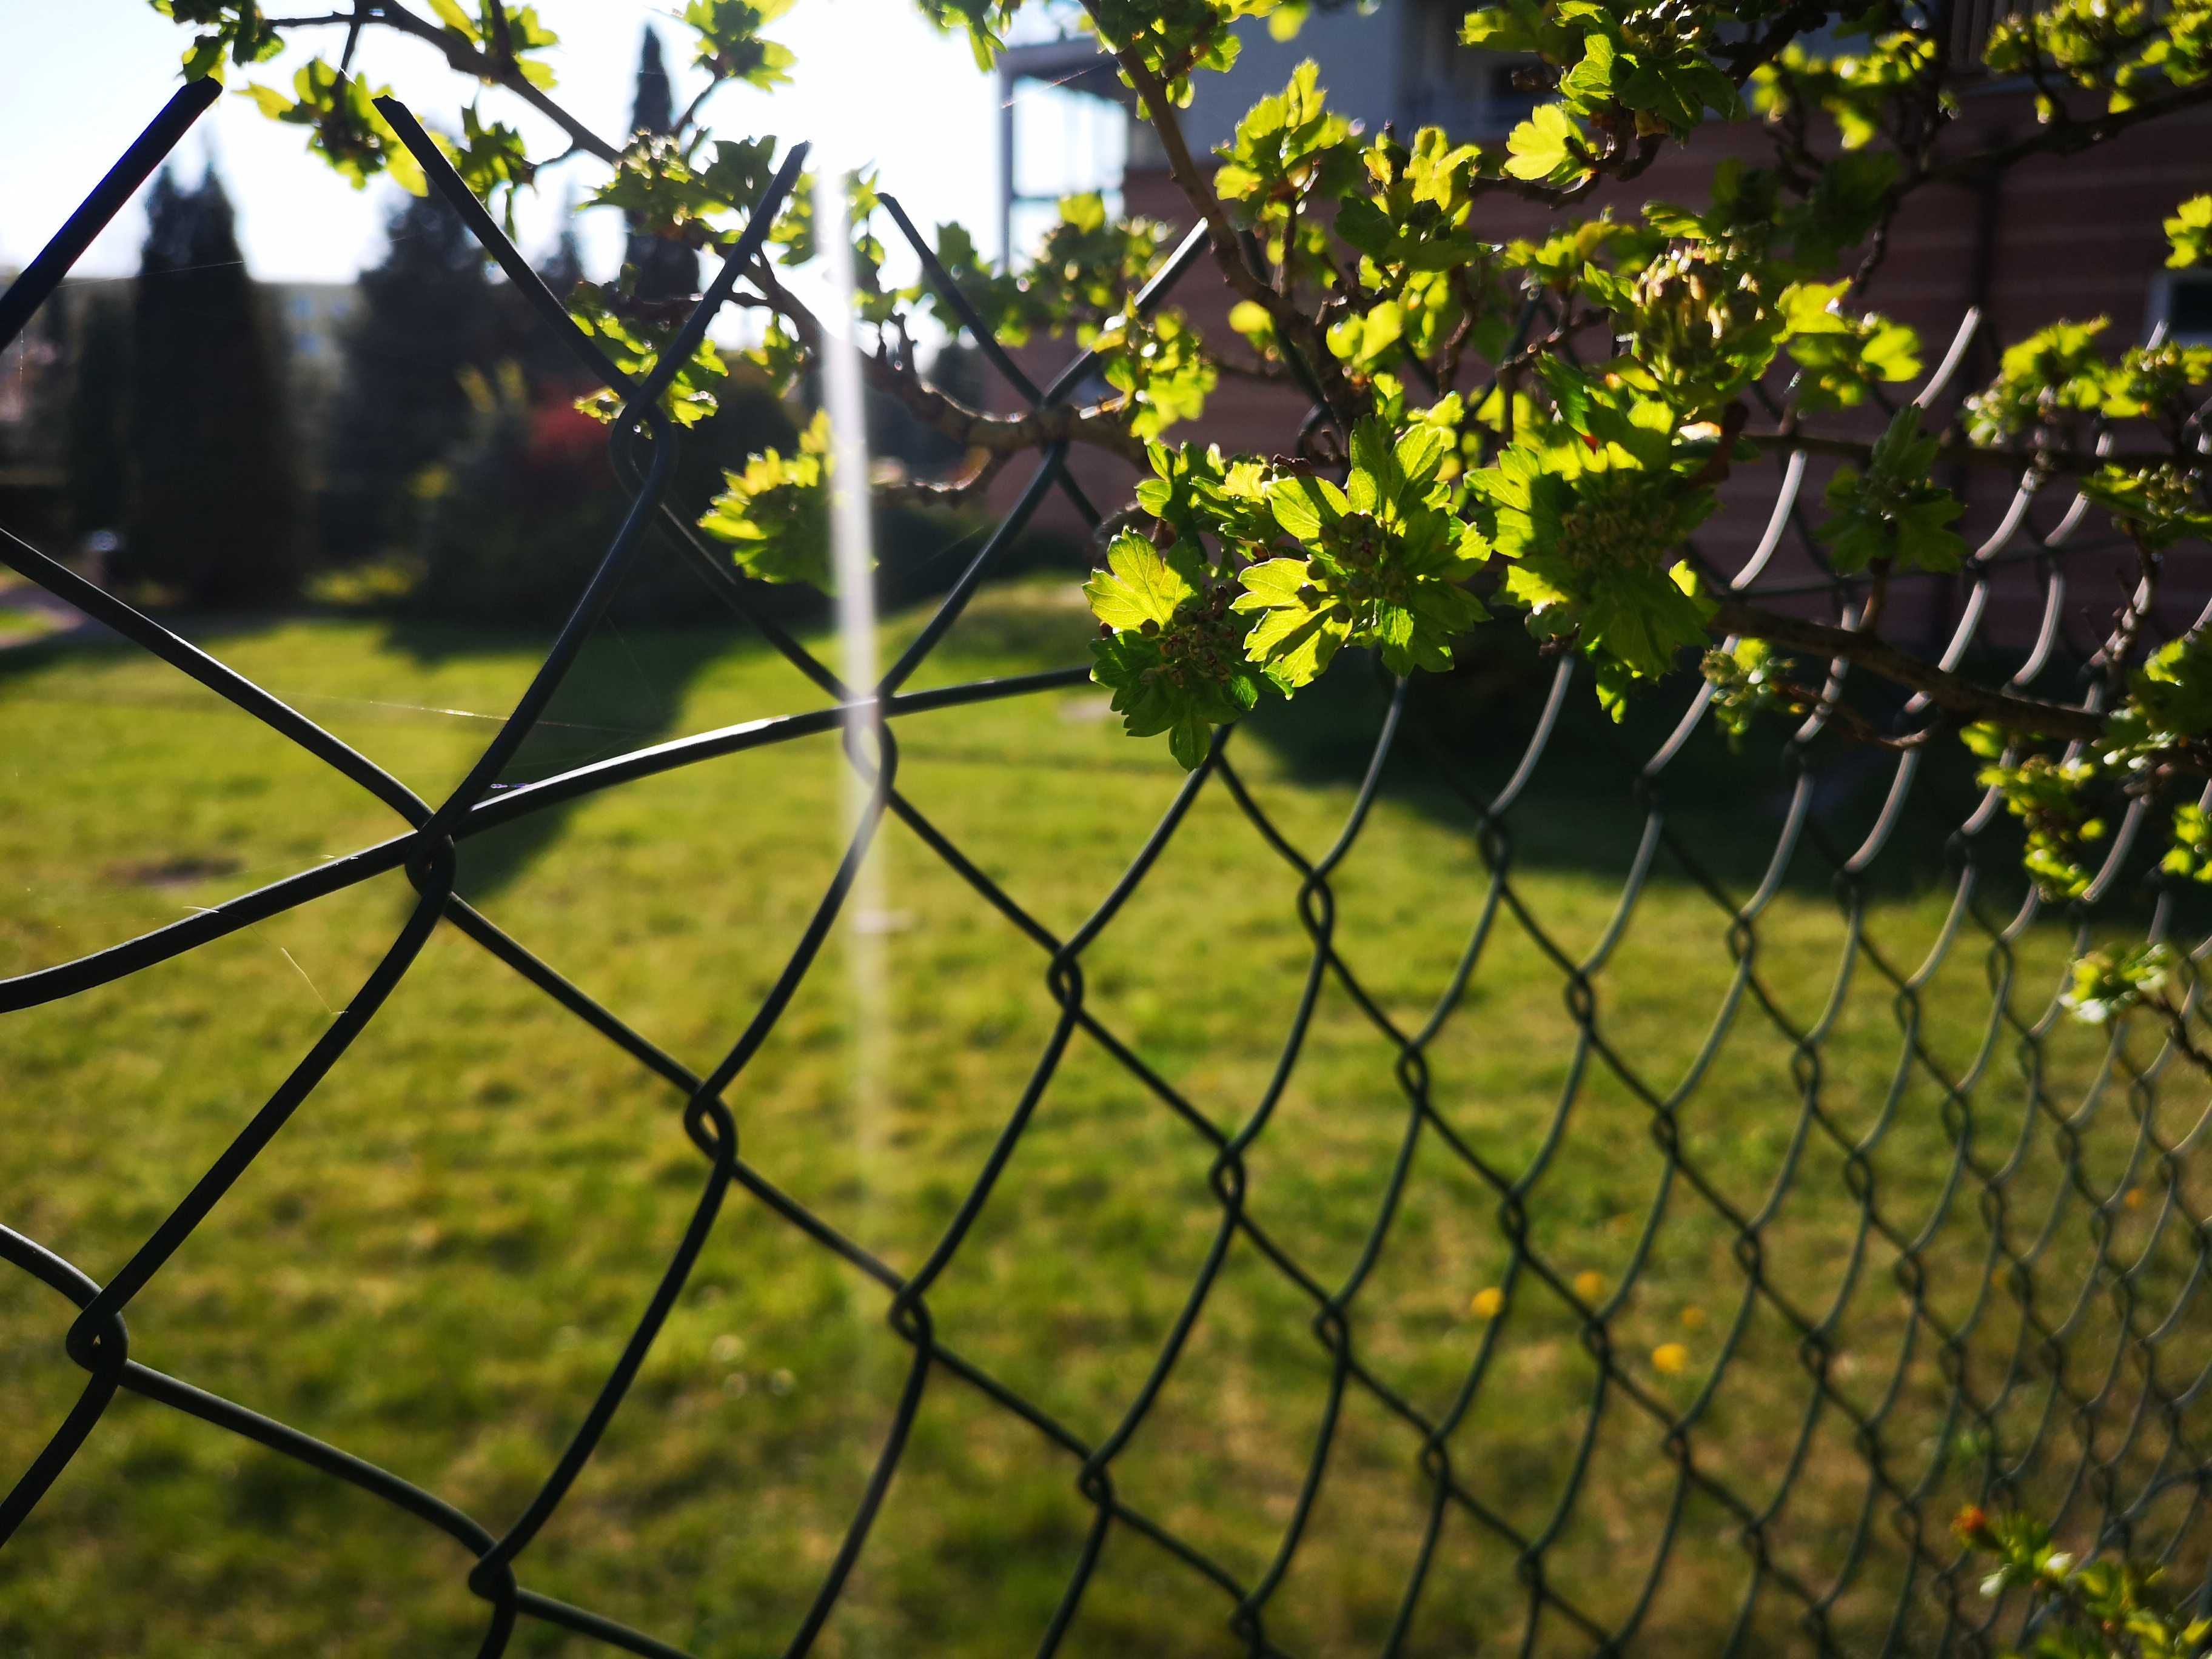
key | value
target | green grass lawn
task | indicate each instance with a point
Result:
(17, 623)
(438, 1260)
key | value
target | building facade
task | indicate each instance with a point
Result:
(2075, 237)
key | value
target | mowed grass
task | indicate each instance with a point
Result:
(438, 1260)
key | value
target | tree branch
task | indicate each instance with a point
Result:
(1221, 232)
(946, 492)
(466, 58)
(1097, 425)
(2064, 137)
(1951, 692)
(1953, 445)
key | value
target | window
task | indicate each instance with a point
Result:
(1066, 141)
(1469, 93)
(2181, 303)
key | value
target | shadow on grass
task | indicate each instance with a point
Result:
(1585, 806)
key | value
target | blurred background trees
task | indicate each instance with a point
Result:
(410, 438)
(208, 497)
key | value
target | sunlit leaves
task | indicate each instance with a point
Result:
(731, 46)
(1381, 563)
(1367, 339)
(1547, 148)
(1171, 38)
(1858, 90)
(347, 129)
(2117, 47)
(2190, 854)
(1170, 649)
(774, 514)
(1284, 146)
(2055, 802)
(1196, 492)
(491, 160)
(1090, 264)
(2164, 382)
(1650, 61)
(1010, 309)
(1591, 518)
(2189, 234)
(686, 196)
(634, 341)
(2054, 371)
(2116, 1608)
(506, 35)
(2157, 505)
(1843, 356)
(234, 30)
(2173, 689)
(1748, 680)
(1159, 366)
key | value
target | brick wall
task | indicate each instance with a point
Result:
(2050, 238)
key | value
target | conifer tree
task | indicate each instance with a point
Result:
(210, 513)
(666, 269)
(427, 314)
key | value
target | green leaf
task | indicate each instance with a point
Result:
(2173, 689)
(2190, 233)
(2157, 505)
(1895, 511)
(1302, 503)
(1545, 147)
(449, 13)
(774, 514)
(1300, 626)
(1138, 586)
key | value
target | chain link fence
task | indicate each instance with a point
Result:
(2012, 1309)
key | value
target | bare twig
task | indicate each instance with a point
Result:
(2065, 137)
(1951, 692)
(1096, 425)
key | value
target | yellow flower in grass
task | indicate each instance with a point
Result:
(1590, 1285)
(1693, 1319)
(2133, 1198)
(1671, 1358)
(1488, 1303)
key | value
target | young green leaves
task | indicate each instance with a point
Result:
(1168, 648)
(2189, 234)
(1287, 145)
(1158, 365)
(348, 131)
(776, 513)
(1650, 63)
(1381, 563)
(237, 30)
(1893, 512)
(730, 47)
(1592, 512)
(1548, 148)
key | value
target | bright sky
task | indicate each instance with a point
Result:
(79, 79)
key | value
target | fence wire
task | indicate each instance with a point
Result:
(2122, 1456)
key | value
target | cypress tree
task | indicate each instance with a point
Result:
(97, 439)
(210, 513)
(427, 312)
(665, 271)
